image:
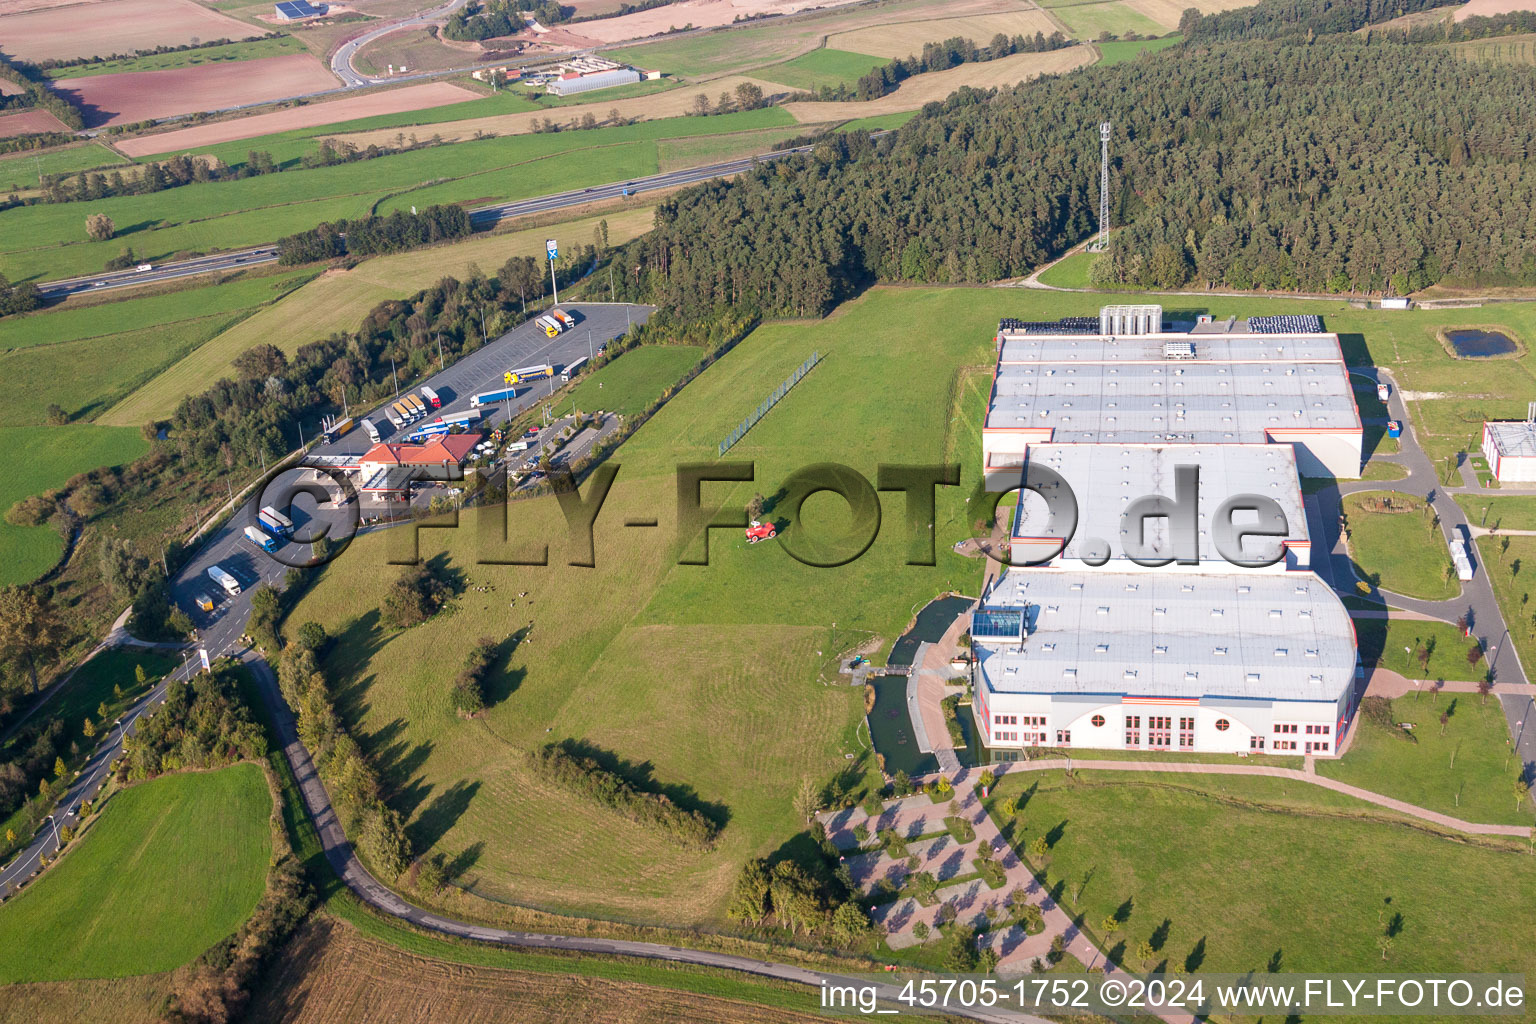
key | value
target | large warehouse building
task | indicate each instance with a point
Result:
(1181, 612)
(1229, 662)
(1255, 381)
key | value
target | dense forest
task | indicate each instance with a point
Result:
(1334, 164)
(1274, 18)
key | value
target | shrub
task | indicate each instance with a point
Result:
(468, 694)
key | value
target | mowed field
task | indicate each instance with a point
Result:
(138, 96)
(105, 27)
(903, 39)
(698, 13)
(1489, 8)
(136, 1000)
(311, 115)
(1119, 16)
(1233, 874)
(338, 301)
(821, 67)
(936, 85)
(173, 866)
(1519, 49)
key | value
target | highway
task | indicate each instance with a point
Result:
(481, 217)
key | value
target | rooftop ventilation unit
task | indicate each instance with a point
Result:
(1178, 350)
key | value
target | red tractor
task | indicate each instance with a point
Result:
(761, 531)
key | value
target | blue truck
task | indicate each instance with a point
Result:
(491, 397)
(260, 539)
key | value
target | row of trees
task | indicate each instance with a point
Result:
(348, 775)
(372, 235)
(567, 764)
(1340, 164)
(52, 63)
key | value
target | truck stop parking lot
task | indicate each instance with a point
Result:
(482, 370)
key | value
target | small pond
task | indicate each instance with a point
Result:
(890, 729)
(1476, 343)
(932, 622)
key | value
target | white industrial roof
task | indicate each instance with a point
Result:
(1258, 636)
(1105, 478)
(1184, 401)
(1263, 348)
(1515, 438)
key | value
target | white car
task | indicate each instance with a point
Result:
(144, 266)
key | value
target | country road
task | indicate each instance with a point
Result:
(481, 217)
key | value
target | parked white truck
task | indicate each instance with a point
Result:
(229, 583)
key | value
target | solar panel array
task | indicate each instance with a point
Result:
(1291, 323)
(1066, 325)
(297, 9)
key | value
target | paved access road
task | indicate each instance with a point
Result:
(597, 323)
(484, 216)
(341, 60)
(88, 781)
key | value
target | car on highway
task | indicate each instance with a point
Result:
(143, 267)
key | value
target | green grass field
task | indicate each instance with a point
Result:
(71, 322)
(1397, 550)
(1504, 513)
(821, 67)
(634, 380)
(1088, 20)
(45, 457)
(49, 241)
(1119, 52)
(1071, 272)
(879, 122)
(186, 58)
(712, 52)
(1382, 641)
(23, 170)
(1244, 874)
(1462, 769)
(119, 363)
(1510, 572)
(672, 154)
(173, 866)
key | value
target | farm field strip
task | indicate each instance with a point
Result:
(297, 119)
(114, 26)
(111, 99)
(906, 38)
(935, 85)
(252, 50)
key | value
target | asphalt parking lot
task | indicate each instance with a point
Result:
(482, 370)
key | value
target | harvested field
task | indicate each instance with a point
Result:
(672, 103)
(30, 122)
(914, 92)
(1167, 12)
(1519, 49)
(8, 88)
(122, 99)
(1488, 8)
(698, 13)
(331, 972)
(905, 38)
(113, 26)
(139, 1000)
(18, 6)
(397, 101)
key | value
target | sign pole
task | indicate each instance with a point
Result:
(551, 247)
